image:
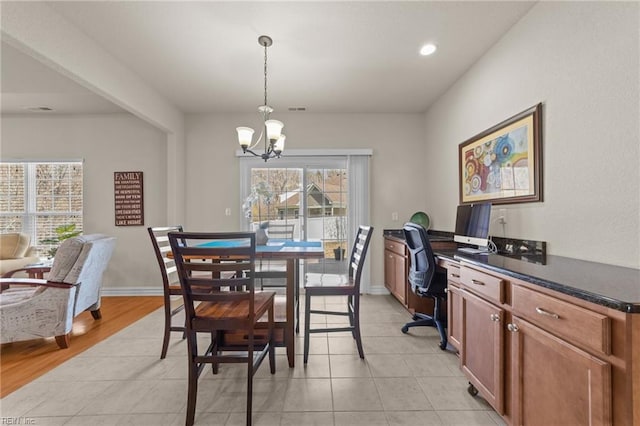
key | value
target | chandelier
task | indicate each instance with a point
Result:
(272, 129)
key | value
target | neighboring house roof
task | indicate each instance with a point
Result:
(332, 196)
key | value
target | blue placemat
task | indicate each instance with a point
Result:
(301, 243)
(225, 243)
(272, 244)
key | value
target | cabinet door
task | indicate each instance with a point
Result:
(482, 348)
(454, 316)
(555, 382)
(394, 274)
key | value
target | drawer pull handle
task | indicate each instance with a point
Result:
(547, 313)
(476, 282)
(495, 317)
(512, 328)
(455, 275)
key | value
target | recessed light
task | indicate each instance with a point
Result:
(428, 49)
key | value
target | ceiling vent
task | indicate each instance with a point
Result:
(39, 108)
(297, 108)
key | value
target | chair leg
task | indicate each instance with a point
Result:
(96, 314)
(307, 319)
(217, 339)
(167, 331)
(250, 379)
(272, 348)
(296, 300)
(192, 391)
(63, 340)
(355, 317)
(350, 309)
(440, 324)
(421, 320)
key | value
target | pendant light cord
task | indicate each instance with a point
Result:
(265, 75)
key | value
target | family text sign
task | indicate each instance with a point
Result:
(129, 201)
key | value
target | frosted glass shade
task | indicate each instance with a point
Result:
(245, 134)
(278, 147)
(274, 129)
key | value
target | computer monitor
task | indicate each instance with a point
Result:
(472, 224)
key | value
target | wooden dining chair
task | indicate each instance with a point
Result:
(349, 287)
(273, 273)
(170, 282)
(216, 272)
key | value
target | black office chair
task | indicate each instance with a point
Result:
(426, 280)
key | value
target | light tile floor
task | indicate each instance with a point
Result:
(404, 380)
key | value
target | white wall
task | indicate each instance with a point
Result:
(107, 143)
(396, 168)
(581, 60)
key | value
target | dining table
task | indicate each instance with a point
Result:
(291, 251)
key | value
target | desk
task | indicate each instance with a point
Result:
(292, 252)
(567, 325)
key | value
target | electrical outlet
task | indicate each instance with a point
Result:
(394, 216)
(227, 211)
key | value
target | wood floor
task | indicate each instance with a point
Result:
(22, 362)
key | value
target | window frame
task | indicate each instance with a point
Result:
(29, 216)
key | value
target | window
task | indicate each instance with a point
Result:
(37, 197)
(325, 195)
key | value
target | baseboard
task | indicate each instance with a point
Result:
(132, 291)
(377, 291)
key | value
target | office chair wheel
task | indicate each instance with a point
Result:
(472, 390)
(405, 329)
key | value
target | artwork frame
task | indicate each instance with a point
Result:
(503, 164)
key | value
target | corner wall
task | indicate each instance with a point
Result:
(107, 143)
(580, 59)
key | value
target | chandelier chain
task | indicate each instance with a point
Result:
(265, 75)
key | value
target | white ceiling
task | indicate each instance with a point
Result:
(326, 56)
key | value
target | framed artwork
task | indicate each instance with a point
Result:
(503, 164)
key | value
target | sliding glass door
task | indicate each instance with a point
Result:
(309, 194)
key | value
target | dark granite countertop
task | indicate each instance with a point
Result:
(607, 285)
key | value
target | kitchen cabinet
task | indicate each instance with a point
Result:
(555, 382)
(396, 272)
(558, 351)
(454, 304)
(396, 268)
(482, 341)
(539, 356)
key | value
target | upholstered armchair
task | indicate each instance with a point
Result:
(16, 251)
(36, 308)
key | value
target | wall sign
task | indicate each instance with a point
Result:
(129, 201)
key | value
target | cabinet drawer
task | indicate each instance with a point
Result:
(453, 273)
(394, 246)
(482, 284)
(578, 325)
